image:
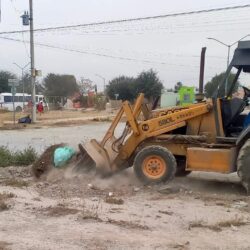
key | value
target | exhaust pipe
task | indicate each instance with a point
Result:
(200, 95)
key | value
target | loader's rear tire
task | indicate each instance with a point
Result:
(181, 167)
(154, 164)
(243, 165)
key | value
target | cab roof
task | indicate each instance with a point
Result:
(241, 58)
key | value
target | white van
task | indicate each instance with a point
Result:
(20, 100)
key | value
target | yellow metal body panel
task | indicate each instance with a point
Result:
(159, 125)
(206, 125)
(199, 120)
(214, 160)
(175, 148)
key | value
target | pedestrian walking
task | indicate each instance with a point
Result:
(40, 108)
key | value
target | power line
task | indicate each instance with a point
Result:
(153, 26)
(139, 31)
(131, 19)
(159, 27)
(102, 55)
(142, 31)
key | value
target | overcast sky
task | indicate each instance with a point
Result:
(171, 46)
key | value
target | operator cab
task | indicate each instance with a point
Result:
(233, 115)
(234, 119)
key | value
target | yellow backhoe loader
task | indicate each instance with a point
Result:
(160, 144)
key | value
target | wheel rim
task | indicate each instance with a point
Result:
(18, 109)
(154, 167)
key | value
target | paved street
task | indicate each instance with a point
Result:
(41, 138)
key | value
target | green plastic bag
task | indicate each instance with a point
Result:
(62, 155)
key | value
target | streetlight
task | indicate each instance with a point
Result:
(104, 82)
(228, 52)
(22, 69)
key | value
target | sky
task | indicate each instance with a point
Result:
(171, 46)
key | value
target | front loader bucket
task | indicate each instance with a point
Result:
(106, 155)
(94, 155)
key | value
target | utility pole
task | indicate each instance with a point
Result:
(104, 82)
(32, 64)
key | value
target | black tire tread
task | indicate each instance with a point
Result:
(243, 167)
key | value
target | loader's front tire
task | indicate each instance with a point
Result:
(154, 164)
(243, 165)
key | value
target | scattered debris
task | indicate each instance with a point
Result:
(234, 228)
(236, 222)
(36, 199)
(3, 206)
(128, 224)
(95, 199)
(221, 203)
(166, 212)
(217, 227)
(90, 215)
(201, 224)
(3, 198)
(16, 183)
(180, 246)
(91, 186)
(136, 189)
(240, 204)
(58, 211)
(169, 190)
(115, 201)
(6, 195)
(115, 210)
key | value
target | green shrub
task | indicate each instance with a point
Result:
(25, 157)
(5, 157)
(17, 158)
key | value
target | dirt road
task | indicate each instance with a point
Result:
(65, 211)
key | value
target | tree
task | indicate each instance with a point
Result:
(178, 86)
(60, 85)
(123, 86)
(128, 88)
(4, 76)
(148, 83)
(212, 85)
(86, 85)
